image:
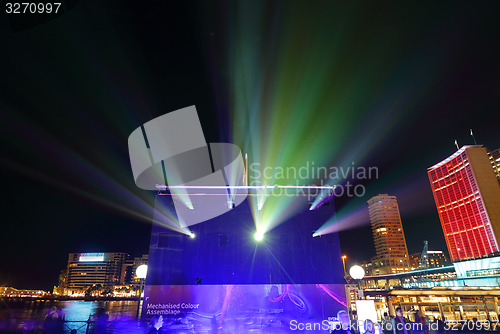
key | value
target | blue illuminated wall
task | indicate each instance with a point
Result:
(225, 251)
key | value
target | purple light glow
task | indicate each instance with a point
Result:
(331, 294)
(164, 187)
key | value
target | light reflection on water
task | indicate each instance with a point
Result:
(74, 310)
(28, 316)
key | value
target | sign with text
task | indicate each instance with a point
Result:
(276, 304)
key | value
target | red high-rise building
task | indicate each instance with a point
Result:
(467, 197)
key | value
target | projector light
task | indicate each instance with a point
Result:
(259, 236)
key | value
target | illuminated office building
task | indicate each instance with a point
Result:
(88, 269)
(467, 196)
(388, 235)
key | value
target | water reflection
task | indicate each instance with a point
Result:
(80, 316)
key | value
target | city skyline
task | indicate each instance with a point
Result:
(335, 85)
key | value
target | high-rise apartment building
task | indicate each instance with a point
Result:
(467, 196)
(388, 235)
(88, 269)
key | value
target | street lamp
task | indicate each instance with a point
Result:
(141, 273)
(343, 264)
(357, 273)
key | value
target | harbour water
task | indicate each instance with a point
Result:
(19, 316)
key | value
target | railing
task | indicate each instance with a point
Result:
(73, 327)
(69, 326)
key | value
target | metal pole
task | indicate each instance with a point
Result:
(472, 134)
(139, 301)
(88, 326)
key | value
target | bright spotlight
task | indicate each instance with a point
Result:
(192, 235)
(259, 236)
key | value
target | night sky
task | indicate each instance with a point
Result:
(389, 84)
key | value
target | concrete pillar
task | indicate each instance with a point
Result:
(495, 303)
(441, 311)
(390, 307)
(486, 309)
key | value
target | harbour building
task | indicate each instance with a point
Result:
(88, 269)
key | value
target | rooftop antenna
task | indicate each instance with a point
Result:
(246, 169)
(456, 144)
(472, 134)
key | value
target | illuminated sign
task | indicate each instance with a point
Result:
(366, 310)
(432, 284)
(91, 257)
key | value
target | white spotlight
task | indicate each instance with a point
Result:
(259, 236)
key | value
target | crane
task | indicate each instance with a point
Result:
(423, 258)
